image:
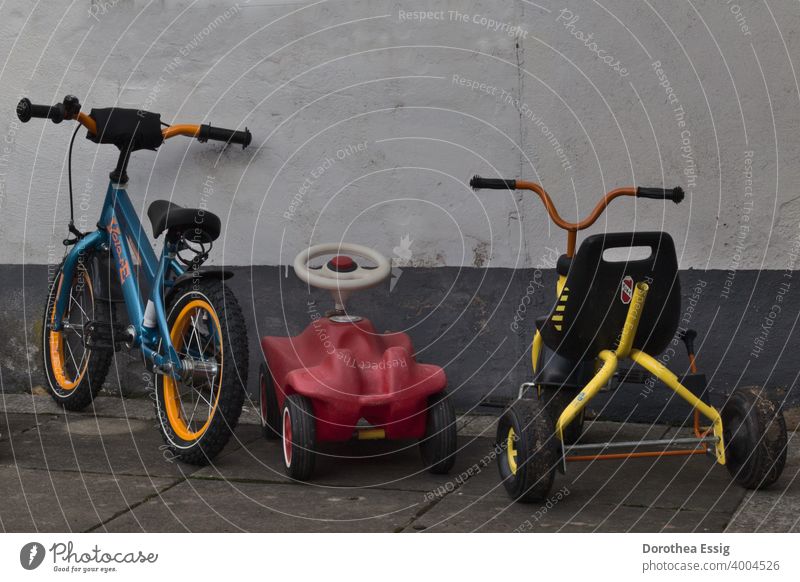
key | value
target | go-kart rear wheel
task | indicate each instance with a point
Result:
(755, 438)
(298, 434)
(438, 447)
(555, 400)
(529, 450)
(268, 404)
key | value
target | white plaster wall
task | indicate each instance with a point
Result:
(311, 78)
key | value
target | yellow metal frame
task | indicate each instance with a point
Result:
(610, 360)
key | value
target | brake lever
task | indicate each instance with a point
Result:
(73, 230)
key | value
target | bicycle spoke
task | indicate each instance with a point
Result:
(72, 357)
(194, 332)
(73, 300)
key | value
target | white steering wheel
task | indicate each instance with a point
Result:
(350, 276)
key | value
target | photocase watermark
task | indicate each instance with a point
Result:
(322, 167)
(67, 559)
(547, 261)
(768, 321)
(692, 302)
(471, 471)
(506, 97)
(551, 502)
(743, 228)
(99, 8)
(177, 61)
(679, 115)
(6, 149)
(31, 555)
(346, 356)
(569, 20)
(739, 16)
(490, 24)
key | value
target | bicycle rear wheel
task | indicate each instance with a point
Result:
(198, 412)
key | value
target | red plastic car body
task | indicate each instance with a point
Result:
(350, 372)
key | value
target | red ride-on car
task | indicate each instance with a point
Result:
(340, 379)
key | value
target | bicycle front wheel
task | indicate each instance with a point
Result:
(198, 411)
(75, 371)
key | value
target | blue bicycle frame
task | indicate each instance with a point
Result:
(120, 230)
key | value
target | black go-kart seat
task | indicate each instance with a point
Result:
(591, 309)
(165, 215)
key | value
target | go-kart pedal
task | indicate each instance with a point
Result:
(341, 379)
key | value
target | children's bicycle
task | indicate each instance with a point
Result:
(190, 330)
(607, 311)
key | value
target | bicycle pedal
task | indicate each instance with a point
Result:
(104, 335)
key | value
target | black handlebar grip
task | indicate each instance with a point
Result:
(478, 183)
(227, 135)
(674, 194)
(27, 110)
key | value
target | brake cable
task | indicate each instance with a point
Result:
(72, 229)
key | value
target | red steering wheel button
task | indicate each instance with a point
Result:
(342, 264)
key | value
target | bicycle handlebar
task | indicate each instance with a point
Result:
(26, 110)
(476, 183)
(70, 108)
(227, 135)
(674, 194)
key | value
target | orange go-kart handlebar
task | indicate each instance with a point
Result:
(70, 109)
(674, 194)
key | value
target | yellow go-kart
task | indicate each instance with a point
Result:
(607, 311)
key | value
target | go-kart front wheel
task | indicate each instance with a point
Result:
(268, 404)
(298, 435)
(755, 438)
(528, 450)
(556, 401)
(438, 446)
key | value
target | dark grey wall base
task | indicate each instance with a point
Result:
(478, 324)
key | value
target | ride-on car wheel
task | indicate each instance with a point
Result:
(268, 404)
(755, 438)
(298, 434)
(555, 401)
(528, 449)
(438, 447)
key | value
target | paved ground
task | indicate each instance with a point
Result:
(106, 471)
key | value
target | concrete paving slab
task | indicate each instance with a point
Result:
(360, 486)
(103, 406)
(462, 513)
(58, 501)
(200, 505)
(111, 406)
(13, 423)
(94, 445)
(357, 464)
(776, 509)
